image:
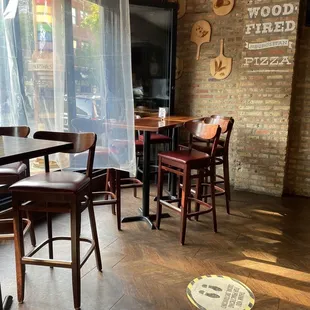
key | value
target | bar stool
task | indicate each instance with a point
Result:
(221, 156)
(57, 192)
(182, 163)
(113, 181)
(156, 139)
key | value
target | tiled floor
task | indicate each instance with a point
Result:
(265, 243)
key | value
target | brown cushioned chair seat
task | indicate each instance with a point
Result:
(63, 181)
(204, 147)
(139, 143)
(139, 146)
(14, 168)
(184, 156)
(157, 138)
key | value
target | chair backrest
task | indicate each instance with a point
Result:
(203, 132)
(226, 123)
(82, 142)
(15, 131)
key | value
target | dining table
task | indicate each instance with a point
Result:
(13, 149)
(150, 125)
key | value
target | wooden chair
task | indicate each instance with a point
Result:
(182, 163)
(221, 155)
(113, 181)
(156, 139)
(9, 174)
(57, 192)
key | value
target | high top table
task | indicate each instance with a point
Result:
(149, 125)
(14, 149)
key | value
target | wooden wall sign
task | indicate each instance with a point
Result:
(182, 7)
(220, 67)
(201, 33)
(179, 68)
(262, 23)
(223, 7)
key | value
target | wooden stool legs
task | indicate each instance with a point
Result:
(113, 185)
(93, 227)
(31, 229)
(75, 255)
(212, 185)
(185, 206)
(19, 251)
(184, 202)
(75, 218)
(159, 193)
(226, 182)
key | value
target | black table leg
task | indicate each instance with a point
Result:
(146, 185)
(172, 180)
(146, 174)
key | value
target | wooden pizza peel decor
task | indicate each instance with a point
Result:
(201, 33)
(222, 7)
(179, 68)
(220, 67)
(182, 7)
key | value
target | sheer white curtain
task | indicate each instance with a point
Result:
(66, 66)
(108, 61)
(11, 96)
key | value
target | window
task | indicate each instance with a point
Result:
(54, 87)
(74, 46)
(83, 14)
(85, 45)
(74, 16)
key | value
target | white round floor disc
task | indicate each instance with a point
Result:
(213, 292)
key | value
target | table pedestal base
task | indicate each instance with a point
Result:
(138, 218)
(7, 302)
(168, 197)
(148, 219)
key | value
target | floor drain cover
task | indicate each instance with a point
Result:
(213, 292)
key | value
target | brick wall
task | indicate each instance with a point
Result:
(257, 95)
(298, 164)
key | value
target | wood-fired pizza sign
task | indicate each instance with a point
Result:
(264, 36)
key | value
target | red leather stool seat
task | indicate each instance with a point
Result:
(156, 138)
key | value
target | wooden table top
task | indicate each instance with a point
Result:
(155, 124)
(177, 118)
(14, 149)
